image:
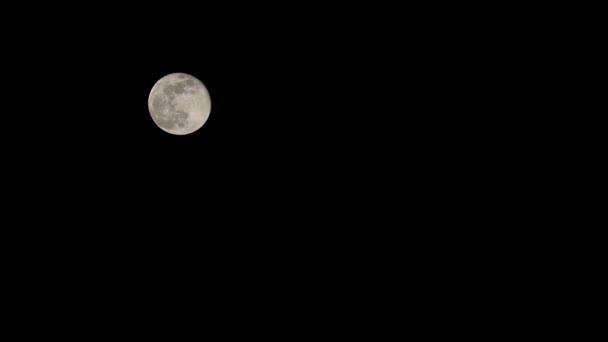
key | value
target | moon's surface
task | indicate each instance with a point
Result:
(179, 104)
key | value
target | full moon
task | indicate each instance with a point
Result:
(179, 104)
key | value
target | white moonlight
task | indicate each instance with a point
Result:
(179, 104)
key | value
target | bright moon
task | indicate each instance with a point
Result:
(179, 104)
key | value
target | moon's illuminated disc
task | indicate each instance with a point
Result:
(179, 104)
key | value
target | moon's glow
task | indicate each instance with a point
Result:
(179, 104)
